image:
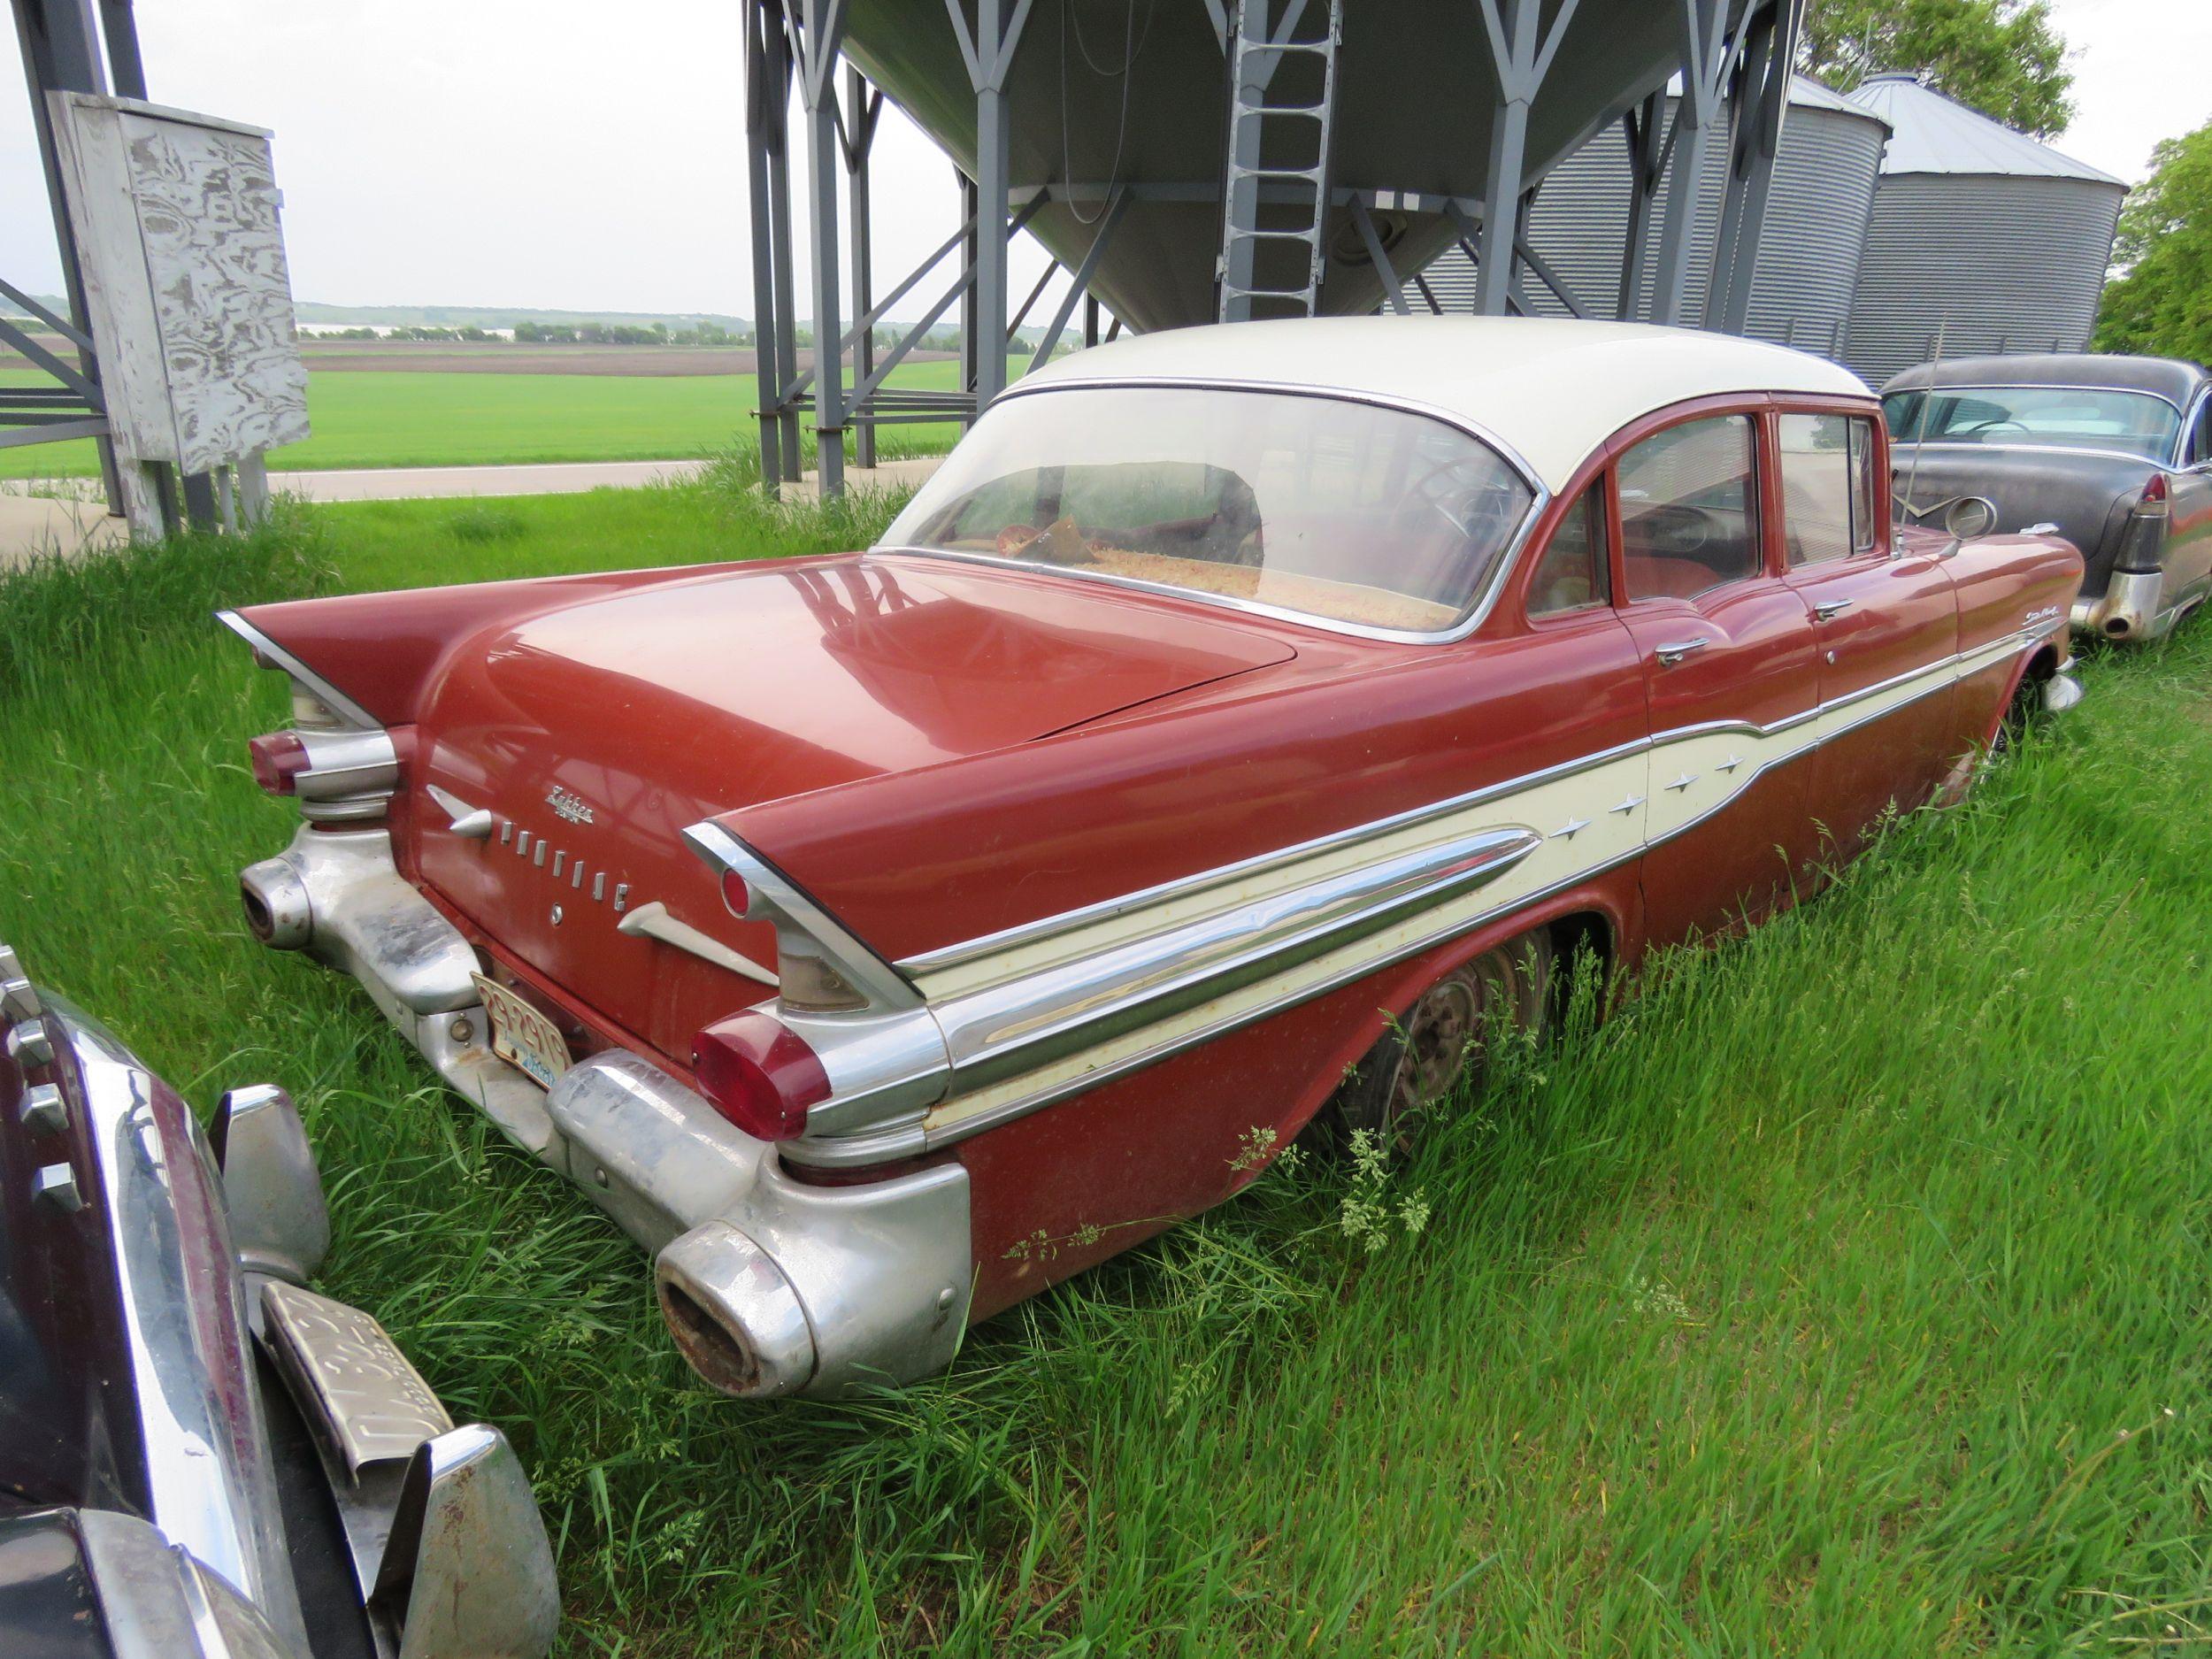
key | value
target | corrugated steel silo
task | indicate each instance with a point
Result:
(1810, 249)
(1982, 234)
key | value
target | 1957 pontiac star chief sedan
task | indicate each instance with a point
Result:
(881, 937)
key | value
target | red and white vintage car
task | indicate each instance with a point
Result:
(879, 938)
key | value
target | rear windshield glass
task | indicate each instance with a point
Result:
(1316, 506)
(2064, 417)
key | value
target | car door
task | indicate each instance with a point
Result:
(2189, 529)
(1886, 628)
(1726, 651)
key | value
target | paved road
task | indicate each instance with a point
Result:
(31, 525)
(410, 483)
(413, 483)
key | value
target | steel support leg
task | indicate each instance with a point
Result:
(1760, 103)
(787, 446)
(822, 35)
(1641, 127)
(1704, 24)
(863, 107)
(992, 160)
(970, 328)
(1500, 204)
(989, 50)
(1521, 55)
(767, 93)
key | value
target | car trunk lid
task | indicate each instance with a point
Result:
(595, 733)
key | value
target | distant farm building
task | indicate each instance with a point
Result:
(1981, 237)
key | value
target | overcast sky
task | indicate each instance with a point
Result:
(553, 154)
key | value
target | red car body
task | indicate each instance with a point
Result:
(1107, 876)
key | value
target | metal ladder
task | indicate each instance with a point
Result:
(1253, 60)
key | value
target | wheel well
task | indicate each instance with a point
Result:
(2043, 664)
(1582, 949)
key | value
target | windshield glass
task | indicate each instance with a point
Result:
(2063, 417)
(1314, 505)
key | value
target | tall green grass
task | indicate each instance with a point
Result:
(1846, 1293)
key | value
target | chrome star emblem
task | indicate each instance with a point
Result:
(1631, 804)
(1572, 828)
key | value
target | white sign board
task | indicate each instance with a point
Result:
(178, 232)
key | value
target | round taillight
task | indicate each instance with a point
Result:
(735, 893)
(278, 759)
(757, 1075)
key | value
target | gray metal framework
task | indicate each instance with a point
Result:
(1731, 53)
(61, 47)
(73, 46)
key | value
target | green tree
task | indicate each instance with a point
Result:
(2003, 57)
(2162, 304)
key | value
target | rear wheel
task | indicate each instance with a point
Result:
(1421, 1057)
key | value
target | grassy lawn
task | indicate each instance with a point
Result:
(412, 418)
(1846, 1294)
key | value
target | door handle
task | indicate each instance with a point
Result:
(1672, 653)
(1828, 609)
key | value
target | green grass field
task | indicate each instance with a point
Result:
(412, 418)
(1846, 1294)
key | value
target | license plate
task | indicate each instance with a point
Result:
(521, 1036)
(349, 1377)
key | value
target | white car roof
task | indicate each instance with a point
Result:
(1551, 389)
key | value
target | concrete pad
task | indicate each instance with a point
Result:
(416, 483)
(34, 526)
(885, 475)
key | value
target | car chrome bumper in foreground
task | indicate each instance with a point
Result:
(210, 1237)
(770, 1286)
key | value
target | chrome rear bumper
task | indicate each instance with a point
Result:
(2128, 611)
(769, 1285)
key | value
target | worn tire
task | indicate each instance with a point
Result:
(1421, 1056)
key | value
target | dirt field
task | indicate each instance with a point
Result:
(449, 357)
(440, 357)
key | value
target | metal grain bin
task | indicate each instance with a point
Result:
(1808, 253)
(1985, 237)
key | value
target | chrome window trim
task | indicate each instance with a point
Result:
(2042, 386)
(2033, 386)
(2190, 417)
(265, 647)
(2135, 456)
(911, 1136)
(1485, 601)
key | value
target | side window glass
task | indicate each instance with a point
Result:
(1820, 487)
(1690, 508)
(1862, 495)
(1576, 570)
(2200, 440)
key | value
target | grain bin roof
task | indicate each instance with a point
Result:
(1929, 132)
